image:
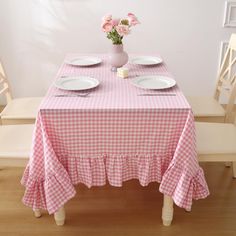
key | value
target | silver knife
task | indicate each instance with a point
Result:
(157, 94)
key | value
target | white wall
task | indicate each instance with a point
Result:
(35, 35)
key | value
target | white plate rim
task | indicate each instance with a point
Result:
(134, 81)
(159, 60)
(97, 60)
(78, 77)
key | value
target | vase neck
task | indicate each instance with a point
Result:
(116, 48)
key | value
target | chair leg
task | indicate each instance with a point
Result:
(234, 169)
(37, 213)
(228, 164)
(60, 216)
(167, 210)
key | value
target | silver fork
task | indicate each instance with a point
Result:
(157, 94)
(73, 95)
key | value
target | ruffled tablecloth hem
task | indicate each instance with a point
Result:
(48, 194)
(57, 187)
(196, 186)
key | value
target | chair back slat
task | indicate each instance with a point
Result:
(227, 77)
(5, 87)
(1, 80)
(228, 69)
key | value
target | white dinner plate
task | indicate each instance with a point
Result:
(153, 82)
(76, 83)
(146, 60)
(84, 61)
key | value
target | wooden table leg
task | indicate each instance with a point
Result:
(167, 210)
(37, 213)
(228, 164)
(60, 216)
(234, 169)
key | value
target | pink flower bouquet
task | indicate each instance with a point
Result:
(116, 29)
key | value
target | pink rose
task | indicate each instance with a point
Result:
(107, 18)
(107, 26)
(133, 20)
(122, 30)
(115, 22)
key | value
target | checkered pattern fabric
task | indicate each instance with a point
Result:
(112, 135)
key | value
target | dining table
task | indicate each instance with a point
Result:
(115, 133)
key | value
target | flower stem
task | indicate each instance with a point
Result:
(115, 37)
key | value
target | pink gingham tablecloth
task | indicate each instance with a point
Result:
(112, 135)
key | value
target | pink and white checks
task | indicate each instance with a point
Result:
(113, 135)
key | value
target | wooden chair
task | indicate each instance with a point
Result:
(208, 109)
(20, 110)
(216, 142)
(15, 144)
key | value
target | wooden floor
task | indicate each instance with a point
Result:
(128, 211)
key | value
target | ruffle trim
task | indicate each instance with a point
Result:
(57, 188)
(114, 169)
(49, 194)
(184, 187)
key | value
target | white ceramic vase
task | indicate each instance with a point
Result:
(118, 57)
